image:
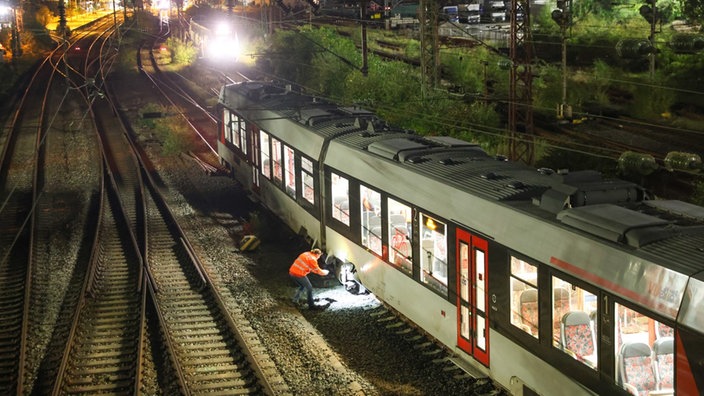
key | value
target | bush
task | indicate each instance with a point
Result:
(182, 53)
(174, 135)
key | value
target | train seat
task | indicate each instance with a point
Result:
(576, 336)
(529, 310)
(375, 239)
(636, 369)
(375, 221)
(664, 357)
(401, 248)
(366, 218)
(561, 304)
(345, 211)
(664, 330)
(401, 257)
(397, 220)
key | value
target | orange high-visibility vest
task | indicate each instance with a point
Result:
(305, 264)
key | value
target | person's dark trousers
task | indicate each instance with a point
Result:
(303, 284)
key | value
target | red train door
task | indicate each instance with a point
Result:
(472, 314)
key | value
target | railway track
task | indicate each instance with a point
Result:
(619, 134)
(46, 136)
(105, 343)
(470, 379)
(209, 349)
(76, 305)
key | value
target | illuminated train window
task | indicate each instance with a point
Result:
(289, 172)
(370, 208)
(433, 253)
(307, 181)
(524, 296)
(399, 221)
(644, 351)
(232, 128)
(276, 160)
(265, 156)
(242, 134)
(340, 198)
(574, 324)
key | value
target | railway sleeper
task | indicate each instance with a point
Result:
(187, 331)
(395, 325)
(380, 311)
(196, 367)
(92, 389)
(215, 345)
(93, 343)
(231, 384)
(90, 362)
(126, 353)
(210, 353)
(216, 362)
(481, 386)
(195, 320)
(223, 376)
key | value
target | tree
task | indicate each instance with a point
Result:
(43, 15)
(693, 9)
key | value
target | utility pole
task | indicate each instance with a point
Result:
(429, 57)
(563, 17)
(62, 19)
(15, 42)
(363, 12)
(114, 14)
(650, 12)
(520, 108)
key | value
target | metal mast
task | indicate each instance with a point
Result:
(520, 109)
(429, 53)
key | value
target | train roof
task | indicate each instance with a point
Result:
(667, 232)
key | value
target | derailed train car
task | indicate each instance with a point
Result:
(549, 283)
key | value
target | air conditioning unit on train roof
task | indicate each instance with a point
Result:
(449, 141)
(586, 188)
(393, 148)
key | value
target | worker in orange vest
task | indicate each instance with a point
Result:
(306, 263)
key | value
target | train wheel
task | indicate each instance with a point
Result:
(344, 272)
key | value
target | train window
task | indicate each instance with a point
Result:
(289, 171)
(231, 127)
(242, 133)
(524, 296)
(398, 218)
(644, 352)
(370, 206)
(255, 160)
(307, 181)
(574, 325)
(265, 149)
(276, 160)
(234, 130)
(340, 198)
(433, 253)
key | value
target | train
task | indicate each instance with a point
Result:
(549, 282)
